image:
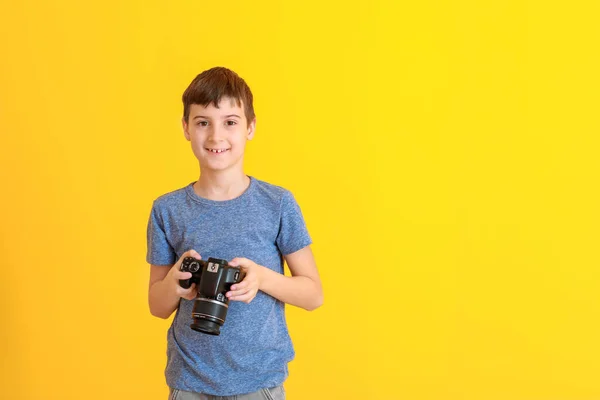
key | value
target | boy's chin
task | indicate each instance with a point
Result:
(216, 167)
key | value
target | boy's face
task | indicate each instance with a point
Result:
(218, 135)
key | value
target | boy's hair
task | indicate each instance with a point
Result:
(212, 85)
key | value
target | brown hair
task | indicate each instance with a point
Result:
(212, 85)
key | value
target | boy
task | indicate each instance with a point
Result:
(229, 215)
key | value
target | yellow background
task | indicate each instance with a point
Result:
(444, 153)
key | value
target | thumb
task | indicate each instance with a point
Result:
(195, 254)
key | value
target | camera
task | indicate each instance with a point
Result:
(213, 278)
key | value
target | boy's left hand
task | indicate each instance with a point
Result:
(246, 290)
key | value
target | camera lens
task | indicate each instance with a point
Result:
(209, 315)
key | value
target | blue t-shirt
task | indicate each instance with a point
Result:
(254, 347)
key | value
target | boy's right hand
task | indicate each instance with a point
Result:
(175, 275)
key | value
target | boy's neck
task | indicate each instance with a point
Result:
(222, 186)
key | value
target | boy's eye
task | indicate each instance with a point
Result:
(202, 123)
(231, 122)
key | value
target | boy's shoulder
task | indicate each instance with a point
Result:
(270, 190)
(173, 196)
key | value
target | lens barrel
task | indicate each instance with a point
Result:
(209, 316)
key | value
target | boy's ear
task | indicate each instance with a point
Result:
(185, 129)
(251, 128)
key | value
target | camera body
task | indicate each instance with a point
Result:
(213, 278)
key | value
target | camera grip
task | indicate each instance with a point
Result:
(190, 264)
(185, 283)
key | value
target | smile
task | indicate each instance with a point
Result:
(217, 151)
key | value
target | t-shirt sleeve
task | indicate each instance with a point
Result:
(293, 234)
(159, 251)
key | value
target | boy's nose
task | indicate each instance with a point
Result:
(215, 133)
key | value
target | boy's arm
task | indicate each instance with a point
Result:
(164, 290)
(302, 289)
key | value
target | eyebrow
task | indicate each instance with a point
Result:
(226, 116)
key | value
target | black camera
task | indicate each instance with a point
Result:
(213, 278)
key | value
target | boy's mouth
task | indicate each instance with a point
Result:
(217, 151)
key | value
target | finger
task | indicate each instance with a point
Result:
(236, 293)
(238, 262)
(195, 254)
(191, 296)
(246, 298)
(182, 275)
(242, 285)
(187, 296)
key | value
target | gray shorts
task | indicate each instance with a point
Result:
(274, 393)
